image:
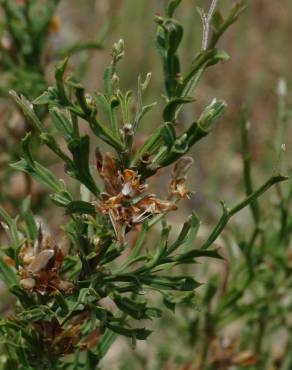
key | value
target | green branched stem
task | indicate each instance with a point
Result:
(235, 12)
(228, 213)
(203, 60)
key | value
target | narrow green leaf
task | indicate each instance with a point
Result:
(138, 333)
(180, 283)
(7, 273)
(29, 220)
(12, 226)
(59, 74)
(80, 151)
(81, 207)
(189, 257)
(172, 106)
(168, 134)
(171, 7)
(45, 177)
(62, 123)
(50, 141)
(45, 99)
(27, 109)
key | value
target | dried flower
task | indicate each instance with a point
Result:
(178, 183)
(58, 341)
(125, 200)
(41, 266)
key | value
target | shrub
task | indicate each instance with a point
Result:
(73, 298)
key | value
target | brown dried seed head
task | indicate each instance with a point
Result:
(123, 200)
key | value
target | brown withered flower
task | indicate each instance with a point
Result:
(40, 266)
(178, 187)
(125, 199)
(57, 341)
(60, 341)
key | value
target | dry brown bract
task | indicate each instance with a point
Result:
(41, 266)
(125, 200)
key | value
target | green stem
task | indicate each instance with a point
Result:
(206, 340)
(75, 125)
(227, 214)
(106, 342)
(148, 146)
(246, 155)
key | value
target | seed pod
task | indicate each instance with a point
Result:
(65, 286)
(28, 283)
(41, 260)
(181, 167)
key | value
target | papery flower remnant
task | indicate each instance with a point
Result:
(125, 199)
(58, 341)
(178, 187)
(40, 266)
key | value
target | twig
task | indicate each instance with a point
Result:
(206, 19)
(228, 213)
